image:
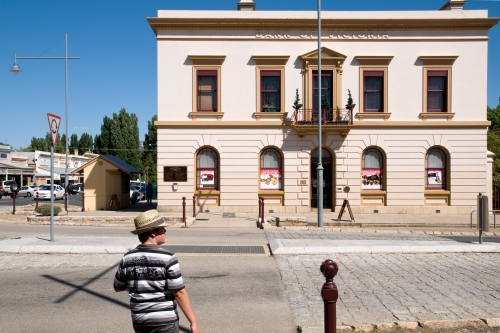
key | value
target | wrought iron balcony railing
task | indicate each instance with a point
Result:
(336, 117)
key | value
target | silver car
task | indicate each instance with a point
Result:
(44, 192)
(27, 191)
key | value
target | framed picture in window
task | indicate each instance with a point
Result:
(207, 177)
(371, 179)
(434, 177)
(270, 179)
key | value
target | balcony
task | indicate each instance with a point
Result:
(332, 121)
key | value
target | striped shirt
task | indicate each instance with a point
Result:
(152, 275)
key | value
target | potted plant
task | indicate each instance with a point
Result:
(268, 107)
(349, 106)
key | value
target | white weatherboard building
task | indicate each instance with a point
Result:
(415, 142)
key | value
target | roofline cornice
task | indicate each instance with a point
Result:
(163, 23)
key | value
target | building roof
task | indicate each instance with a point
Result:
(60, 171)
(10, 165)
(120, 164)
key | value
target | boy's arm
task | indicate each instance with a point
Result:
(182, 299)
(120, 283)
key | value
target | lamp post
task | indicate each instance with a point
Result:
(15, 69)
(320, 118)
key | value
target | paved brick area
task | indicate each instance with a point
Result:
(389, 288)
(38, 261)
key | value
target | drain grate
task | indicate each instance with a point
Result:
(216, 249)
(225, 215)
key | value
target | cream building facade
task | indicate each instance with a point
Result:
(415, 141)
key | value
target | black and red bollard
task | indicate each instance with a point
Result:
(184, 211)
(194, 206)
(66, 202)
(36, 206)
(262, 220)
(260, 213)
(83, 201)
(330, 294)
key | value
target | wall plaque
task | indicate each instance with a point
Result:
(175, 173)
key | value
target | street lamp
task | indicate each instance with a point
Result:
(320, 118)
(15, 69)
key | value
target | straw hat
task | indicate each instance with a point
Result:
(147, 221)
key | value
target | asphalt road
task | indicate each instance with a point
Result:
(6, 202)
(73, 293)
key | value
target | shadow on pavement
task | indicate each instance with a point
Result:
(83, 288)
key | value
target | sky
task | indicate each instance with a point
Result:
(117, 50)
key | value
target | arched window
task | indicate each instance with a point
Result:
(207, 169)
(435, 169)
(271, 169)
(372, 170)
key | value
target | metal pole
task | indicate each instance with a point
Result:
(194, 206)
(184, 211)
(51, 193)
(66, 90)
(320, 118)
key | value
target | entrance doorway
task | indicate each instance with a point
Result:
(328, 185)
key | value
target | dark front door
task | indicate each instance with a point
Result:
(327, 163)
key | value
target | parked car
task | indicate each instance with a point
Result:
(6, 184)
(44, 192)
(135, 195)
(1, 191)
(75, 188)
(27, 191)
(142, 190)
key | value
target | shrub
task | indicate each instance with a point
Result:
(45, 210)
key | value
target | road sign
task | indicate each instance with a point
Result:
(54, 122)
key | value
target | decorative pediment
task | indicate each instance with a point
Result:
(326, 55)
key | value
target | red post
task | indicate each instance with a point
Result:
(83, 201)
(36, 206)
(184, 211)
(14, 203)
(66, 202)
(330, 294)
(194, 206)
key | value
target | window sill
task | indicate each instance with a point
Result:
(438, 115)
(373, 192)
(373, 115)
(271, 192)
(436, 192)
(206, 114)
(207, 192)
(270, 115)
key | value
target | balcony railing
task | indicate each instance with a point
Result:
(336, 117)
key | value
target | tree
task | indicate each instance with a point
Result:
(150, 150)
(493, 115)
(73, 142)
(120, 137)
(39, 144)
(85, 143)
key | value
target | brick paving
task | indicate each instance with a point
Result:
(385, 288)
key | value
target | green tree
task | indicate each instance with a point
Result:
(493, 115)
(120, 137)
(73, 142)
(39, 144)
(85, 143)
(149, 161)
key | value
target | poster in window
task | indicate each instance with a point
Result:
(371, 179)
(434, 176)
(270, 179)
(315, 183)
(207, 177)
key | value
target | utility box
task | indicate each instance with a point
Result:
(483, 220)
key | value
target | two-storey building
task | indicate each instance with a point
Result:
(231, 128)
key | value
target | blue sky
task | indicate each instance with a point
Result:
(117, 47)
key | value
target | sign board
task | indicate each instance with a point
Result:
(175, 173)
(345, 205)
(54, 122)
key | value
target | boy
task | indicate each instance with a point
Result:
(153, 278)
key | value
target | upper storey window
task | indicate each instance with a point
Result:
(207, 90)
(270, 79)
